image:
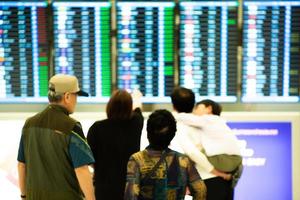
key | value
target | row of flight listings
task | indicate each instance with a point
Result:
(145, 58)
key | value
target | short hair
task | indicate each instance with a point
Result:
(119, 105)
(183, 99)
(216, 107)
(55, 97)
(161, 129)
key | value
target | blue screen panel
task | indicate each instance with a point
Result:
(267, 160)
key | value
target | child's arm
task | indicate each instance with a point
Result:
(191, 119)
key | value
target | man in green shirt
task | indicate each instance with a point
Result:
(53, 155)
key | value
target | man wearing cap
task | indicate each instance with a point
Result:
(53, 155)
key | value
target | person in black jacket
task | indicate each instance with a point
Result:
(112, 141)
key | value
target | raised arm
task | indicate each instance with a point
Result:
(191, 119)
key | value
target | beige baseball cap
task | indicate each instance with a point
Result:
(62, 83)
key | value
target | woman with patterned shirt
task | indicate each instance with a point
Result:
(173, 175)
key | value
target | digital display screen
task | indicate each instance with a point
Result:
(208, 48)
(267, 160)
(271, 51)
(82, 45)
(134, 46)
(145, 48)
(24, 50)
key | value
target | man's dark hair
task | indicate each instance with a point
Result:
(183, 99)
(216, 108)
(119, 105)
(161, 129)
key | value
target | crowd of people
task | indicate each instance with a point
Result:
(191, 152)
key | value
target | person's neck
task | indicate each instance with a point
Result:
(63, 107)
(156, 147)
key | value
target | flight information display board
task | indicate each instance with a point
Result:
(24, 51)
(82, 45)
(271, 55)
(145, 48)
(208, 48)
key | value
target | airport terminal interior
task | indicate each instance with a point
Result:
(243, 54)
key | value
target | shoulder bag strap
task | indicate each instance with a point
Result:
(163, 156)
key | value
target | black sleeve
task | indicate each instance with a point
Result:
(78, 129)
(138, 117)
(138, 121)
(91, 136)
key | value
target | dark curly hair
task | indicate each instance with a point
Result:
(161, 129)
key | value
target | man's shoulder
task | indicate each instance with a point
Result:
(181, 114)
(32, 119)
(72, 119)
(183, 127)
(185, 119)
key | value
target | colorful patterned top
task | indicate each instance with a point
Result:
(175, 173)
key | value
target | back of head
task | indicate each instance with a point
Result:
(183, 99)
(161, 129)
(119, 105)
(216, 108)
